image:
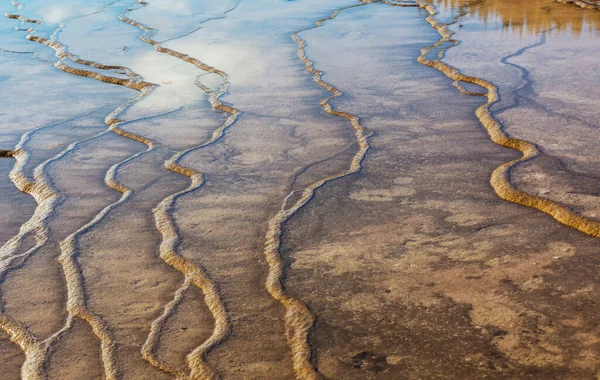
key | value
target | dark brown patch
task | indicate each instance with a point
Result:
(369, 361)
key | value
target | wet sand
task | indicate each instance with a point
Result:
(299, 190)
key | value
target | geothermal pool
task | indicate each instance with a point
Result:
(341, 189)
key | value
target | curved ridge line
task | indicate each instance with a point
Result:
(442, 53)
(16, 52)
(581, 3)
(156, 329)
(47, 199)
(76, 300)
(298, 318)
(297, 175)
(31, 347)
(41, 189)
(23, 19)
(500, 179)
(7, 251)
(76, 295)
(61, 52)
(525, 87)
(24, 184)
(134, 82)
(196, 275)
(167, 226)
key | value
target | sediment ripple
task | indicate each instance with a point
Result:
(36, 226)
(76, 299)
(298, 318)
(36, 352)
(167, 226)
(500, 179)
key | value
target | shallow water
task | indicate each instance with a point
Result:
(299, 189)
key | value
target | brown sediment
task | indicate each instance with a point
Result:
(47, 199)
(134, 82)
(166, 225)
(500, 179)
(193, 274)
(76, 299)
(156, 329)
(298, 318)
(34, 350)
(37, 352)
(23, 19)
(40, 188)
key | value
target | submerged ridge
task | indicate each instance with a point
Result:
(500, 179)
(42, 191)
(298, 318)
(76, 299)
(37, 352)
(167, 226)
(134, 82)
(23, 19)
(157, 328)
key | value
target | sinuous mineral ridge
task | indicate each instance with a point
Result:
(340, 189)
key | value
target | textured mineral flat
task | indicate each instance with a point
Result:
(341, 189)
